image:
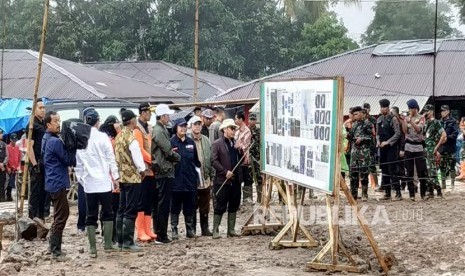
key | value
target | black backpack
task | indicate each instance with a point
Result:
(75, 134)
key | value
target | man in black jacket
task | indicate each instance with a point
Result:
(447, 152)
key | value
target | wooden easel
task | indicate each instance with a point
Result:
(335, 243)
(264, 212)
(293, 226)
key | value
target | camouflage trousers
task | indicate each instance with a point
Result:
(359, 170)
(447, 166)
(432, 168)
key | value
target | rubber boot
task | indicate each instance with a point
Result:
(438, 191)
(430, 191)
(55, 247)
(443, 184)
(461, 176)
(231, 225)
(195, 223)
(204, 225)
(216, 226)
(398, 194)
(174, 226)
(189, 221)
(148, 229)
(108, 236)
(128, 236)
(364, 193)
(140, 226)
(119, 232)
(92, 242)
(247, 194)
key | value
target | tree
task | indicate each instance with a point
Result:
(394, 21)
(460, 4)
(327, 37)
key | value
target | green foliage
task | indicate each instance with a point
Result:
(242, 39)
(394, 21)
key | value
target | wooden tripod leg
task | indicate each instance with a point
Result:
(363, 223)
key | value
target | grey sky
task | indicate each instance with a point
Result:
(356, 18)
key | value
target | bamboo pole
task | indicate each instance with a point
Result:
(34, 103)
(196, 52)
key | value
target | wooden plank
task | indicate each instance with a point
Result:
(297, 243)
(322, 252)
(307, 234)
(334, 268)
(363, 223)
(261, 226)
(346, 253)
(283, 232)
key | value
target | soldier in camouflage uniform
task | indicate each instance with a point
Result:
(360, 137)
(435, 136)
(451, 128)
(255, 155)
(374, 150)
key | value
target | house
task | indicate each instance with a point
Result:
(398, 71)
(67, 80)
(170, 76)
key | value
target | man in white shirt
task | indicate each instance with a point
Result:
(131, 168)
(97, 172)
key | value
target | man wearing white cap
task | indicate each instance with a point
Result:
(203, 147)
(164, 158)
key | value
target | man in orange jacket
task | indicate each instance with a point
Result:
(143, 134)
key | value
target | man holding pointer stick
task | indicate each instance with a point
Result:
(227, 183)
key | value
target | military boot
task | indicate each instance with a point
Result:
(189, 221)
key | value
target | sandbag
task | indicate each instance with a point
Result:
(75, 134)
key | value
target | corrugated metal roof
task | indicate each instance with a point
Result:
(170, 76)
(62, 79)
(410, 76)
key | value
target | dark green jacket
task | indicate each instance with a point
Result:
(163, 157)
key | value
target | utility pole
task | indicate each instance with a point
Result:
(196, 51)
(435, 50)
(3, 46)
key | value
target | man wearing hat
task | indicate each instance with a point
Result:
(225, 157)
(414, 151)
(186, 179)
(207, 117)
(131, 168)
(435, 136)
(387, 140)
(360, 137)
(164, 157)
(143, 135)
(203, 146)
(448, 148)
(14, 163)
(95, 167)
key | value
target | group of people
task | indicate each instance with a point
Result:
(136, 178)
(406, 146)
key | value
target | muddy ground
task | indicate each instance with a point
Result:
(426, 238)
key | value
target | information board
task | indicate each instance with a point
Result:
(299, 130)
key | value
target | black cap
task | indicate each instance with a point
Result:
(127, 115)
(427, 108)
(366, 105)
(445, 107)
(357, 109)
(144, 107)
(384, 103)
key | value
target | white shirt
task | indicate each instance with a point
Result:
(96, 165)
(136, 154)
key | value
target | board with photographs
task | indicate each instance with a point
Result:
(299, 131)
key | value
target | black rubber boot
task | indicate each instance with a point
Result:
(174, 226)
(128, 236)
(204, 225)
(189, 221)
(119, 232)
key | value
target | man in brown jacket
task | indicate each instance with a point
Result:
(225, 157)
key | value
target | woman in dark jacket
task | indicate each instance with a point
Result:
(186, 179)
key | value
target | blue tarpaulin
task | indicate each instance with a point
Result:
(14, 114)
